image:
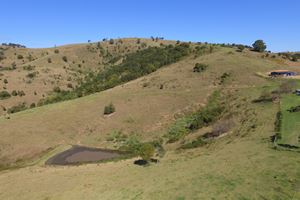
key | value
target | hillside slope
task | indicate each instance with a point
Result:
(239, 165)
(82, 120)
(36, 72)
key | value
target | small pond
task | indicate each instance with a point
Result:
(81, 154)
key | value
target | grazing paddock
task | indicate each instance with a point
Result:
(290, 130)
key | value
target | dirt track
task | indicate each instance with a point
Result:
(80, 154)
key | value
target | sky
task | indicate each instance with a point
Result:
(46, 23)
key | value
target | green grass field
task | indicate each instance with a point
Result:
(290, 133)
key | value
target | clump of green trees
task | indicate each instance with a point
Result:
(203, 117)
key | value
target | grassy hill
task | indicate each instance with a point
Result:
(36, 72)
(240, 164)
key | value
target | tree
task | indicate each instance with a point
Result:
(111, 41)
(146, 151)
(109, 109)
(4, 95)
(57, 89)
(14, 93)
(65, 58)
(294, 58)
(259, 46)
(241, 47)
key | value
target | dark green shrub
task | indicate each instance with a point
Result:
(69, 85)
(241, 48)
(32, 105)
(65, 59)
(294, 109)
(224, 77)
(20, 57)
(205, 116)
(56, 51)
(14, 93)
(146, 151)
(111, 41)
(4, 95)
(57, 89)
(5, 81)
(200, 67)
(266, 97)
(294, 58)
(109, 109)
(29, 67)
(49, 60)
(32, 75)
(21, 93)
(17, 108)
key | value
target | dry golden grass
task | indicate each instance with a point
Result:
(81, 58)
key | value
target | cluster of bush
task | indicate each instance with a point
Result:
(294, 109)
(290, 56)
(18, 108)
(224, 77)
(204, 117)
(145, 150)
(18, 93)
(200, 67)
(203, 49)
(109, 109)
(133, 145)
(29, 67)
(4, 95)
(12, 67)
(286, 87)
(20, 57)
(218, 129)
(266, 97)
(32, 75)
(133, 66)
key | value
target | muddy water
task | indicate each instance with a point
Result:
(81, 154)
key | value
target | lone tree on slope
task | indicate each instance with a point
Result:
(259, 46)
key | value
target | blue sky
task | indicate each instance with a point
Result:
(45, 23)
